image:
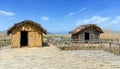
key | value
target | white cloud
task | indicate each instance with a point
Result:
(2, 12)
(45, 18)
(94, 19)
(74, 13)
(71, 13)
(83, 9)
(98, 19)
(116, 20)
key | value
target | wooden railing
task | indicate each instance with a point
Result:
(111, 46)
(4, 42)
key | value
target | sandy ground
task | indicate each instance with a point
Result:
(52, 58)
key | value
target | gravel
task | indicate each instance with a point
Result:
(53, 58)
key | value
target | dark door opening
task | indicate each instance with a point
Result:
(24, 38)
(86, 36)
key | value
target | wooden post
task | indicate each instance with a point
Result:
(35, 38)
(79, 44)
(88, 44)
(5, 42)
(0, 45)
(119, 50)
(101, 44)
(110, 46)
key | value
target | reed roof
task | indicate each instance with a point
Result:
(24, 22)
(86, 26)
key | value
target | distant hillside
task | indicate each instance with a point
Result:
(61, 33)
(106, 35)
(3, 35)
(110, 35)
(2, 32)
(49, 33)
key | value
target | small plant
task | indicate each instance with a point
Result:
(90, 47)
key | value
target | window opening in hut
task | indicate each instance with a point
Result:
(24, 38)
(86, 36)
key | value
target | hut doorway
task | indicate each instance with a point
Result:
(86, 35)
(24, 38)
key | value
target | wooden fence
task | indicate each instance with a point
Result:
(111, 46)
(4, 42)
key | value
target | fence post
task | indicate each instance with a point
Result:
(0, 45)
(101, 44)
(5, 42)
(119, 50)
(79, 45)
(88, 45)
(110, 45)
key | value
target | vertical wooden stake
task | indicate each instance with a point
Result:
(88, 45)
(100, 44)
(110, 45)
(119, 50)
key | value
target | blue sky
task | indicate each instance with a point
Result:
(61, 15)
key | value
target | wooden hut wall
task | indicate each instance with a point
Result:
(92, 35)
(16, 37)
(34, 36)
(75, 36)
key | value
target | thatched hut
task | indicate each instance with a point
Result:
(87, 32)
(26, 33)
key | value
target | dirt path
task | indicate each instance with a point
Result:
(52, 58)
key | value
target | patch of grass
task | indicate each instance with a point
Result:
(114, 51)
(80, 48)
(4, 44)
